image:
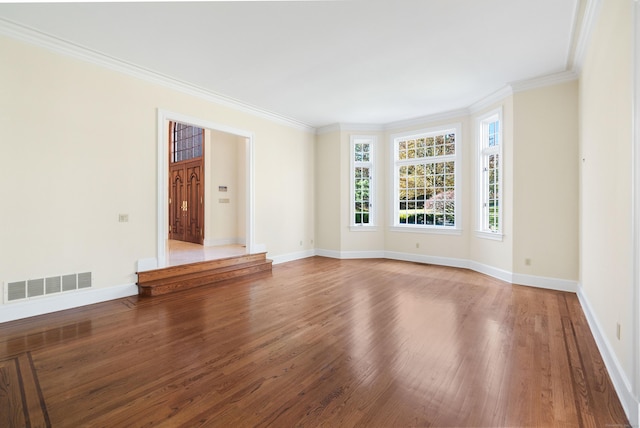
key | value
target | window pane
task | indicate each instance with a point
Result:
(491, 178)
(493, 130)
(186, 142)
(361, 180)
(426, 194)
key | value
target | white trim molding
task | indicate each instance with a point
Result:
(432, 118)
(54, 44)
(542, 81)
(589, 18)
(228, 241)
(284, 258)
(635, 150)
(556, 284)
(491, 99)
(61, 302)
(621, 383)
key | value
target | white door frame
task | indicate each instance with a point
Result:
(164, 116)
(635, 332)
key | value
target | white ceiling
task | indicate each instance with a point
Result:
(326, 62)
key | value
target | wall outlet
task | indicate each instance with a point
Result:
(417, 245)
(123, 218)
(618, 330)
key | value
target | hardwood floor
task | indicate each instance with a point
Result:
(318, 342)
(180, 253)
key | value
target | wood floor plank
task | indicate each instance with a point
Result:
(322, 342)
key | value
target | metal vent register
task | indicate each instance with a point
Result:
(23, 290)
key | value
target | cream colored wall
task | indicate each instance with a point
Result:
(606, 176)
(241, 184)
(545, 181)
(284, 190)
(222, 221)
(79, 148)
(328, 191)
(488, 252)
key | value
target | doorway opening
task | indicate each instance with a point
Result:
(205, 197)
(186, 183)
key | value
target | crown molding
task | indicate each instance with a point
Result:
(491, 99)
(51, 43)
(482, 104)
(589, 18)
(54, 44)
(361, 127)
(420, 121)
(542, 81)
(328, 129)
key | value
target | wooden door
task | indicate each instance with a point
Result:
(194, 208)
(186, 195)
(186, 202)
(176, 202)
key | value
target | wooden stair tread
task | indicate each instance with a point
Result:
(203, 266)
(183, 277)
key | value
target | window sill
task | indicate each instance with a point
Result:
(363, 228)
(494, 236)
(427, 229)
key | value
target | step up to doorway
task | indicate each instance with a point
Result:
(182, 277)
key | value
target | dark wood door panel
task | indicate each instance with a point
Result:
(194, 197)
(186, 201)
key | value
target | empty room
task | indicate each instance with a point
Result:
(320, 213)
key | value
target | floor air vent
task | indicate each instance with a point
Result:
(22, 290)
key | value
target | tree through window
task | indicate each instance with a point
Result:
(362, 179)
(425, 179)
(490, 171)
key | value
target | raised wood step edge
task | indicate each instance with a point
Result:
(205, 280)
(174, 271)
(188, 275)
(192, 281)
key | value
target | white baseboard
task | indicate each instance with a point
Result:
(544, 282)
(149, 263)
(291, 256)
(226, 241)
(327, 253)
(259, 248)
(494, 272)
(432, 260)
(63, 301)
(621, 382)
(351, 254)
(501, 274)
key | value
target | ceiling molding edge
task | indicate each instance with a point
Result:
(542, 81)
(489, 100)
(591, 12)
(327, 129)
(482, 104)
(57, 45)
(349, 127)
(420, 121)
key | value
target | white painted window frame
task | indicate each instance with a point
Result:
(483, 153)
(396, 163)
(353, 164)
